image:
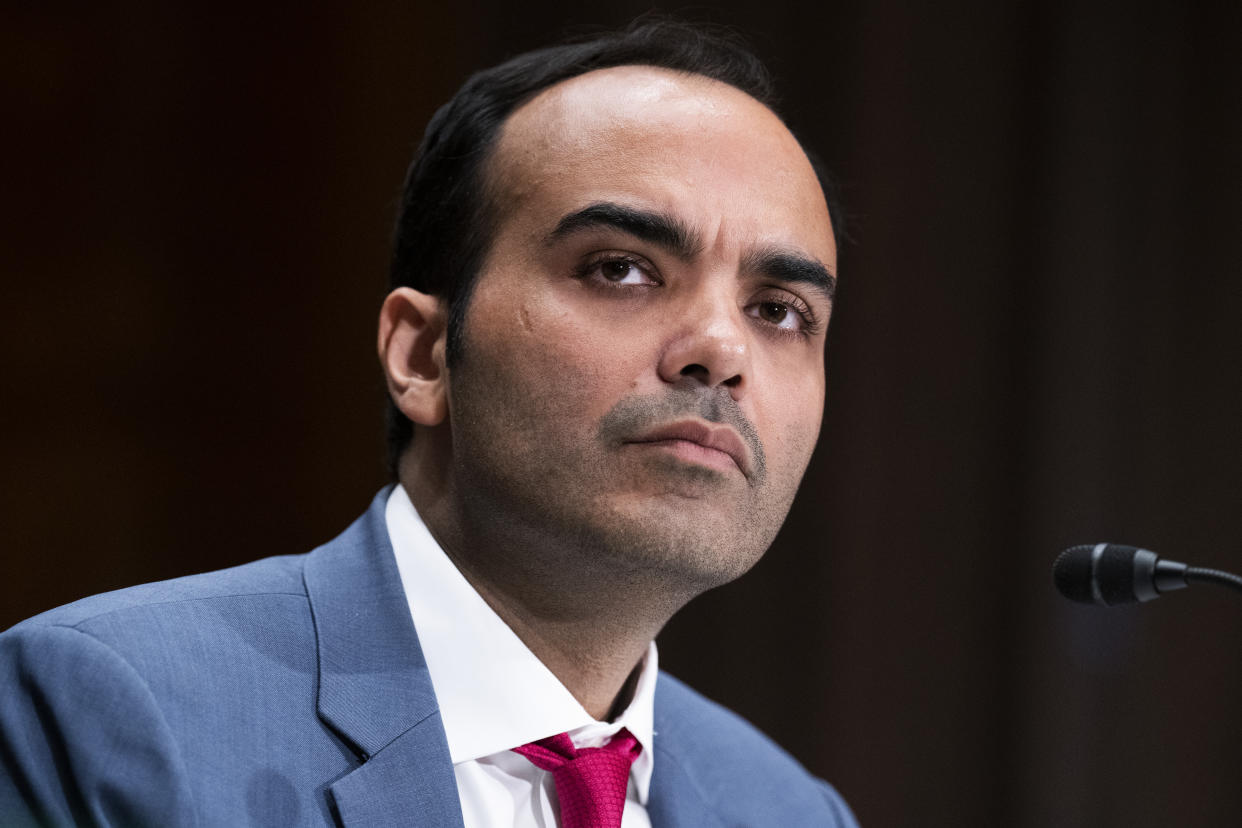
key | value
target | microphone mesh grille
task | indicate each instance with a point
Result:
(1071, 572)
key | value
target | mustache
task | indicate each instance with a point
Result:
(639, 413)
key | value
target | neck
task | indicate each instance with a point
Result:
(593, 656)
(591, 628)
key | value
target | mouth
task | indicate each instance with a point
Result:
(695, 441)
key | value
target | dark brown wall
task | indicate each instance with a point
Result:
(1036, 344)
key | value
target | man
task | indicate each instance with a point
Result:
(604, 349)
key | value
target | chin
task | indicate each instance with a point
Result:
(686, 539)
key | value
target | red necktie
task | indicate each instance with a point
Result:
(590, 782)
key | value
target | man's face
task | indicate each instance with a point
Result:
(642, 376)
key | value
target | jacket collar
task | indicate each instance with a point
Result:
(374, 689)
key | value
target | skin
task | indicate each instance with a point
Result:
(529, 463)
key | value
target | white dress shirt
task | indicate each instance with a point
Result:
(495, 695)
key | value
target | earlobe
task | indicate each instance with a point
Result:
(412, 331)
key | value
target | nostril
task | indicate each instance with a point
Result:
(696, 371)
(701, 373)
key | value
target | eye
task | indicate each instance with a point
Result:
(777, 313)
(618, 269)
(786, 313)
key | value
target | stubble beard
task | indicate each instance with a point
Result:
(557, 501)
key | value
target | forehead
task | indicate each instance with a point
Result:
(671, 141)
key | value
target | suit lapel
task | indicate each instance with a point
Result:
(374, 688)
(676, 799)
(409, 782)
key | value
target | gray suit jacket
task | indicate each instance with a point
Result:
(292, 691)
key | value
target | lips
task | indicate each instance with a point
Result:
(715, 438)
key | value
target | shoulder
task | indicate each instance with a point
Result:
(120, 707)
(92, 693)
(735, 768)
(270, 576)
(123, 700)
(172, 633)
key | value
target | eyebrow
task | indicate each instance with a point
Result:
(650, 226)
(788, 266)
(675, 236)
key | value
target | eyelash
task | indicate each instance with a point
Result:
(600, 259)
(810, 322)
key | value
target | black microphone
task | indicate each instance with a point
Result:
(1109, 574)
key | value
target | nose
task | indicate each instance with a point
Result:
(709, 346)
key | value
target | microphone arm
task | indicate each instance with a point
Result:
(1199, 575)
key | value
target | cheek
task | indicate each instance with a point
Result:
(790, 446)
(792, 418)
(553, 362)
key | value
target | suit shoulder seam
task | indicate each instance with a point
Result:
(143, 605)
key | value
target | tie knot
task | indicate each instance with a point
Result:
(590, 782)
(555, 751)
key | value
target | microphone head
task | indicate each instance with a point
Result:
(1107, 574)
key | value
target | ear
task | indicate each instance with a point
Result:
(412, 333)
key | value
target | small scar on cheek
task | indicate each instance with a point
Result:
(524, 319)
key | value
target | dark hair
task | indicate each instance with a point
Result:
(446, 219)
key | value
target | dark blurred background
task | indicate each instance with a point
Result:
(1036, 344)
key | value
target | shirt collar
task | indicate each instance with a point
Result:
(494, 693)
